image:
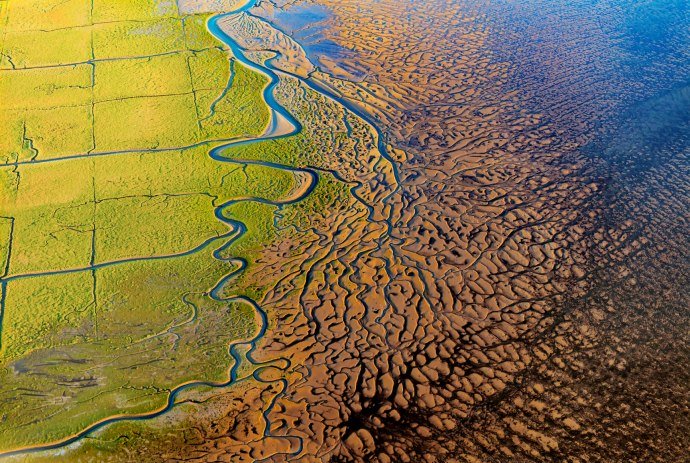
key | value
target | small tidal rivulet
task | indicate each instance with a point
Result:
(468, 243)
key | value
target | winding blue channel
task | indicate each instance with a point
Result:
(237, 229)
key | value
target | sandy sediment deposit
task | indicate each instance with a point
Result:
(468, 316)
(493, 264)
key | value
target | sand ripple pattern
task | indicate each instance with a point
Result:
(496, 286)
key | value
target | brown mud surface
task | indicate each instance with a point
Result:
(510, 285)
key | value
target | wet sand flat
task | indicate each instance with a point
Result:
(482, 256)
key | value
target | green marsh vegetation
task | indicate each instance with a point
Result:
(107, 201)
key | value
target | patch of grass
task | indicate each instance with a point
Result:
(146, 123)
(41, 314)
(205, 66)
(35, 15)
(29, 48)
(157, 75)
(59, 132)
(197, 35)
(136, 38)
(141, 10)
(13, 145)
(150, 329)
(46, 88)
(241, 111)
(168, 191)
(183, 229)
(45, 133)
(52, 217)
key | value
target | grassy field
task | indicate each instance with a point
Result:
(107, 201)
(103, 166)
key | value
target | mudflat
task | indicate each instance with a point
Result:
(393, 231)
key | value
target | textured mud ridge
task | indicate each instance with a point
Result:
(506, 302)
(504, 277)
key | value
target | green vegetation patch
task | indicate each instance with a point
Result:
(138, 38)
(157, 75)
(14, 146)
(53, 220)
(197, 35)
(242, 109)
(184, 228)
(141, 10)
(40, 314)
(146, 123)
(46, 87)
(112, 341)
(48, 48)
(36, 15)
(204, 69)
(59, 132)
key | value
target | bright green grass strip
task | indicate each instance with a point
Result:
(157, 75)
(136, 38)
(37, 15)
(28, 48)
(140, 10)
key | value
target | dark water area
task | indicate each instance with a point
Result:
(587, 62)
(613, 75)
(652, 137)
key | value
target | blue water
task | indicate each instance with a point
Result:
(608, 55)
